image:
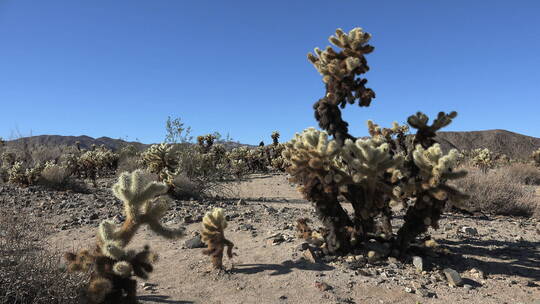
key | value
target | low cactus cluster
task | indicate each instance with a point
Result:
(377, 175)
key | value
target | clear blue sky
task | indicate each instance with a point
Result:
(119, 68)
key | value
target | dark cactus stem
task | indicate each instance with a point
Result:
(334, 218)
(414, 223)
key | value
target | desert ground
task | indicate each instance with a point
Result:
(497, 257)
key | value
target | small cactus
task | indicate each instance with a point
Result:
(214, 224)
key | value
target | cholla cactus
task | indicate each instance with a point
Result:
(113, 266)
(536, 157)
(8, 159)
(275, 138)
(205, 142)
(375, 175)
(483, 159)
(17, 174)
(214, 224)
(159, 158)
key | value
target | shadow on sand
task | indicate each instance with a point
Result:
(279, 269)
(160, 299)
(520, 258)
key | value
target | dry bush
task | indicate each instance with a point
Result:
(128, 164)
(59, 178)
(522, 173)
(184, 188)
(497, 192)
(31, 274)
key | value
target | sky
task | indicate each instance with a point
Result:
(120, 68)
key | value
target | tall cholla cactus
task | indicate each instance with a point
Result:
(378, 175)
(160, 158)
(112, 266)
(214, 224)
(536, 157)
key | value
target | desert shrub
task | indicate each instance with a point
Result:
(31, 274)
(201, 173)
(58, 177)
(536, 157)
(183, 187)
(42, 154)
(522, 173)
(496, 192)
(129, 164)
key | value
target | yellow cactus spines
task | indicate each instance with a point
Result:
(369, 159)
(213, 234)
(435, 169)
(312, 155)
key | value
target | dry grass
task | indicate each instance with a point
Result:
(31, 274)
(501, 191)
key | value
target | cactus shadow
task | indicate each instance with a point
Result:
(281, 269)
(519, 258)
(160, 299)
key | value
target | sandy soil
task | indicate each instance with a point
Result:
(270, 267)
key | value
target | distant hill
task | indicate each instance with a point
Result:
(86, 142)
(512, 144)
(501, 141)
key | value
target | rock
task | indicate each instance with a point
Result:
(302, 247)
(469, 230)
(194, 242)
(246, 227)
(392, 260)
(309, 255)
(408, 290)
(418, 263)
(373, 256)
(322, 286)
(453, 277)
(424, 293)
(241, 202)
(477, 274)
(467, 287)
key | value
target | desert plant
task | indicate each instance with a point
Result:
(483, 159)
(275, 138)
(496, 192)
(536, 157)
(213, 234)
(161, 158)
(376, 175)
(112, 266)
(22, 176)
(30, 273)
(176, 132)
(205, 142)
